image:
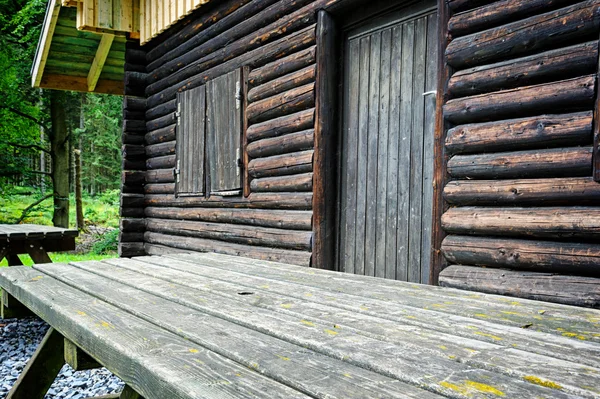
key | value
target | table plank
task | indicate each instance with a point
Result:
(34, 231)
(156, 363)
(540, 316)
(408, 359)
(513, 337)
(278, 359)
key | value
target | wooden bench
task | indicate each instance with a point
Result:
(209, 325)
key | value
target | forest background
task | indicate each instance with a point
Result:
(44, 132)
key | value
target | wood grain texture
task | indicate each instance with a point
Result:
(554, 191)
(535, 255)
(523, 37)
(551, 222)
(519, 134)
(569, 290)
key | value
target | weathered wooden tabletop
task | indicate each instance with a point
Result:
(208, 325)
(33, 231)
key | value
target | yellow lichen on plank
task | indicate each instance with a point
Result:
(494, 337)
(539, 381)
(331, 332)
(307, 323)
(468, 388)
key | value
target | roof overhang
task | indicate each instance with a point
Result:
(72, 59)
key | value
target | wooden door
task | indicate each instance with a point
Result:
(386, 192)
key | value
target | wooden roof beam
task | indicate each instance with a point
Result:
(41, 54)
(99, 60)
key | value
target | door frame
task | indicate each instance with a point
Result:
(332, 21)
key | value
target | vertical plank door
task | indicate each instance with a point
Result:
(386, 171)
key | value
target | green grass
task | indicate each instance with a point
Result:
(64, 258)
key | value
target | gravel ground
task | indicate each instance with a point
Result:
(19, 340)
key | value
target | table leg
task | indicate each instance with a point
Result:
(42, 368)
(13, 259)
(38, 253)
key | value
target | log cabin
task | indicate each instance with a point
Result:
(450, 142)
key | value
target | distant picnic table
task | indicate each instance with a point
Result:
(210, 325)
(34, 240)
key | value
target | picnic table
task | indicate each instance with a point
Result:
(35, 240)
(217, 326)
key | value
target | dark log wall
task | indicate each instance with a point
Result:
(133, 177)
(276, 41)
(519, 142)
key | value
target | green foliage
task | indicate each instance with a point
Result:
(108, 244)
(110, 197)
(96, 212)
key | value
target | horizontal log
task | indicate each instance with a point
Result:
(134, 126)
(286, 124)
(519, 134)
(162, 109)
(299, 201)
(257, 57)
(179, 41)
(131, 212)
(155, 249)
(131, 249)
(552, 222)
(131, 237)
(568, 290)
(224, 48)
(572, 191)
(249, 235)
(282, 67)
(134, 164)
(163, 188)
(531, 255)
(524, 101)
(549, 30)
(135, 139)
(132, 225)
(161, 135)
(560, 162)
(564, 63)
(132, 103)
(132, 189)
(291, 101)
(163, 162)
(498, 13)
(291, 142)
(134, 114)
(300, 258)
(161, 149)
(135, 56)
(132, 200)
(291, 220)
(231, 31)
(133, 151)
(133, 178)
(462, 5)
(160, 176)
(293, 183)
(282, 84)
(162, 122)
(297, 162)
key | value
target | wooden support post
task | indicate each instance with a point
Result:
(38, 253)
(99, 60)
(325, 159)
(596, 130)
(78, 359)
(129, 393)
(41, 370)
(13, 259)
(10, 308)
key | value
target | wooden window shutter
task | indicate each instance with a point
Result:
(224, 133)
(191, 122)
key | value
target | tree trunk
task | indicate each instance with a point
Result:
(78, 191)
(59, 144)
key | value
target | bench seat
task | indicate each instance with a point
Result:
(218, 326)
